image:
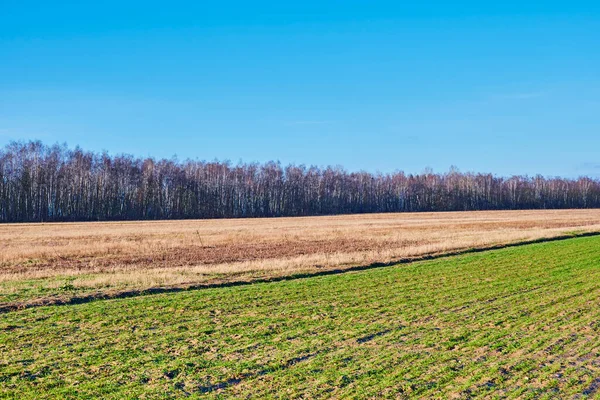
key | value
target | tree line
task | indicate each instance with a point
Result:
(56, 183)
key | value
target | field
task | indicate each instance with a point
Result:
(60, 262)
(519, 322)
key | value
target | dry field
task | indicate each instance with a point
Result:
(62, 259)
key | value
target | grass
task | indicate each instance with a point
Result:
(54, 262)
(520, 322)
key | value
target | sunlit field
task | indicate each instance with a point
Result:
(45, 262)
(519, 322)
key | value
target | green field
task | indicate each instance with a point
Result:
(521, 322)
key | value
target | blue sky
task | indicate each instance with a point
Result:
(506, 88)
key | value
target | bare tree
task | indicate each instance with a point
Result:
(55, 183)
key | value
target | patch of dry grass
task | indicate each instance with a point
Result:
(112, 255)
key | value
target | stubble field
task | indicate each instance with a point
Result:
(47, 263)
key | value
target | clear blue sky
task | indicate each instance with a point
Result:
(500, 87)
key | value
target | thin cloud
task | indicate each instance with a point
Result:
(590, 169)
(590, 165)
(309, 122)
(522, 95)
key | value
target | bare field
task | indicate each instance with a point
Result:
(59, 259)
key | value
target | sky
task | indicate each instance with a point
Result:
(501, 87)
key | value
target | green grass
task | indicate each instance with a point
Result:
(31, 289)
(521, 322)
